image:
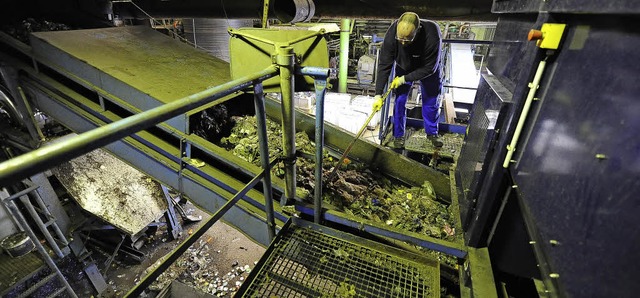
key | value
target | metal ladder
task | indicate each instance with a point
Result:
(35, 212)
(59, 245)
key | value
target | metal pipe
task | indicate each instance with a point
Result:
(467, 10)
(293, 11)
(265, 13)
(533, 87)
(31, 119)
(285, 60)
(234, 32)
(261, 119)
(467, 41)
(178, 251)
(320, 75)
(321, 88)
(20, 167)
(303, 38)
(17, 145)
(459, 87)
(344, 55)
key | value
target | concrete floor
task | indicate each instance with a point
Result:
(221, 255)
(222, 244)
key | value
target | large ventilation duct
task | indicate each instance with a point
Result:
(211, 34)
(473, 10)
(288, 11)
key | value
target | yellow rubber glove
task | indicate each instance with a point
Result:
(377, 103)
(397, 82)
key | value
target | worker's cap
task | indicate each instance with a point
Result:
(407, 27)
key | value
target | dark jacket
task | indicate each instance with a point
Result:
(419, 59)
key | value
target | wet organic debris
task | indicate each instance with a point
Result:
(356, 189)
(112, 190)
(213, 123)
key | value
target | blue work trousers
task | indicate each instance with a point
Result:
(430, 88)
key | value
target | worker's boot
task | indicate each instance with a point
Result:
(436, 141)
(398, 143)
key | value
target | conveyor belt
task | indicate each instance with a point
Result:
(137, 65)
(309, 260)
(147, 58)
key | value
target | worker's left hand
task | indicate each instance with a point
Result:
(377, 103)
(397, 82)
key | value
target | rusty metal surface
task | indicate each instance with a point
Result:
(112, 190)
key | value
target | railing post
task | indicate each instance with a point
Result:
(285, 61)
(320, 76)
(261, 120)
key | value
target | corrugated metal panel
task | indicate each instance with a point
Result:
(211, 34)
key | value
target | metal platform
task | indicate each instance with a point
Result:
(417, 142)
(309, 260)
(14, 271)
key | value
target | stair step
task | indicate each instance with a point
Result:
(43, 212)
(57, 292)
(22, 192)
(37, 285)
(50, 222)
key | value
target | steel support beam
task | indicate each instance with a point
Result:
(285, 60)
(207, 187)
(15, 169)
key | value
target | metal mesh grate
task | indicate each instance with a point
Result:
(15, 270)
(305, 262)
(417, 141)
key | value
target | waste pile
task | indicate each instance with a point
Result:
(21, 30)
(197, 267)
(356, 190)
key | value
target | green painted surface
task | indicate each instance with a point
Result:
(249, 55)
(482, 282)
(345, 26)
(145, 59)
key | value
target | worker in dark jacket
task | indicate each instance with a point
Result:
(413, 46)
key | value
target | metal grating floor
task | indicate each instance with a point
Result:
(417, 141)
(13, 271)
(309, 260)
